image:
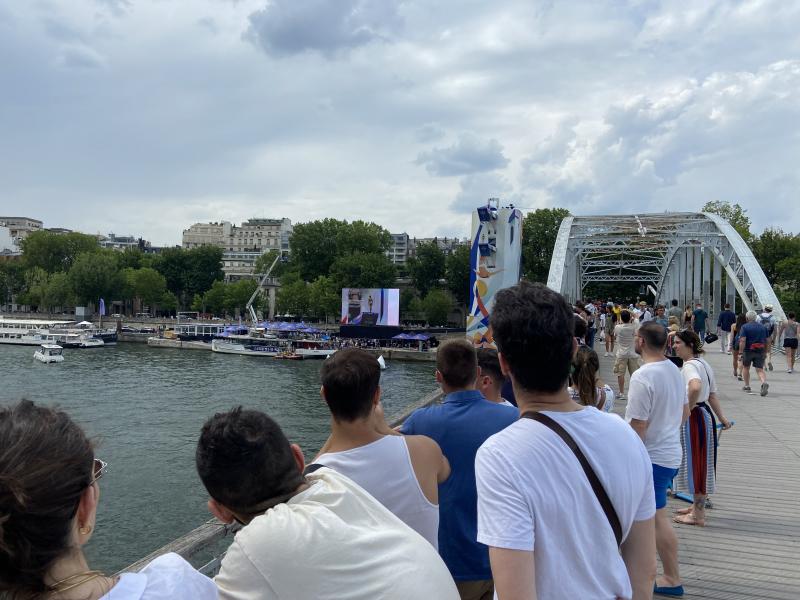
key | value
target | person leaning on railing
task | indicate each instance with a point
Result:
(49, 494)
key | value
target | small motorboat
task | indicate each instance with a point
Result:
(288, 356)
(91, 342)
(382, 362)
(49, 353)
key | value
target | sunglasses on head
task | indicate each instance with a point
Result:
(99, 468)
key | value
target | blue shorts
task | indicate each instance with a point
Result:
(662, 479)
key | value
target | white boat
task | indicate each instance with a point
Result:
(249, 346)
(49, 353)
(313, 348)
(91, 342)
(31, 332)
(382, 362)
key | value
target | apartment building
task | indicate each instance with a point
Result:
(20, 227)
(446, 245)
(241, 245)
(398, 252)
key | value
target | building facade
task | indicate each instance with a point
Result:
(20, 227)
(241, 245)
(8, 247)
(398, 252)
(446, 245)
(122, 242)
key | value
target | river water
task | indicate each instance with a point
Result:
(145, 406)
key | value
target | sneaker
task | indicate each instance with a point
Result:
(746, 388)
(790, 370)
(729, 352)
(620, 396)
(740, 378)
(769, 366)
(764, 389)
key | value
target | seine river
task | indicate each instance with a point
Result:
(144, 407)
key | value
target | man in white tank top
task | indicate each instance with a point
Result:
(401, 472)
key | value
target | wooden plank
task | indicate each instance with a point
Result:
(748, 549)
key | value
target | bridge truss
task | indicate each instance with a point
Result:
(689, 257)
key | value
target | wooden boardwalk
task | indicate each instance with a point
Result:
(750, 546)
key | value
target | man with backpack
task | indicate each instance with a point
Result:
(767, 319)
(551, 533)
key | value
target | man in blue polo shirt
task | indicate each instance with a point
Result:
(463, 421)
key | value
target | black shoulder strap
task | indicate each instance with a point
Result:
(594, 481)
(311, 468)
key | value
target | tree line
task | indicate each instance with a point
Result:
(62, 270)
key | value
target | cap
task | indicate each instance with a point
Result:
(768, 307)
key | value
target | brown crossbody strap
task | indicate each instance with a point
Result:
(594, 481)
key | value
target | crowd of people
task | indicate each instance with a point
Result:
(520, 484)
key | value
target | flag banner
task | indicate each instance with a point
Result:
(102, 308)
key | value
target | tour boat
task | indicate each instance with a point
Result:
(313, 348)
(248, 346)
(49, 353)
(31, 332)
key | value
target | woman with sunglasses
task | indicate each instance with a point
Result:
(697, 473)
(48, 505)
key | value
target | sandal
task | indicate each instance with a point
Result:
(688, 520)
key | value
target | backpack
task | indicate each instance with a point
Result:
(768, 322)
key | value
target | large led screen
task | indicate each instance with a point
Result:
(370, 306)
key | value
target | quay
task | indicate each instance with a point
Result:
(749, 546)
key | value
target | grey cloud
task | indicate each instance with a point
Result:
(78, 56)
(654, 151)
(330, 27)
(430, 132)
(469, 155)
(475, 189)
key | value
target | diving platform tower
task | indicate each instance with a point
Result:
(495, 260)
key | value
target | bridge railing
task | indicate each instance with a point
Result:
(204, 545)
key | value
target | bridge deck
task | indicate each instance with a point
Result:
(751, 542)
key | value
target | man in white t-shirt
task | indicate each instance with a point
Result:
(657, 406)
(317, 536)
(402, 472)
(547, 533)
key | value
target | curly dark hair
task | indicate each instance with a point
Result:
(533, 327)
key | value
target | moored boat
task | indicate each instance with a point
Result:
(248, 346)
(49, 353)
(308, 348)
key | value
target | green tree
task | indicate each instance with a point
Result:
(324, 297)
(360, 236)
(95, 275)
(55, 252)
(264, 263)
(437, 305)
(733, 214)
(318, 244)
(36, 280)
(149, 285)
(189, 272)
(132, 258)
(539, 233)
(168, 302)
(457, 272)
(58, 292)
(214, 298)
(788, 271)
(314, 247)
(360, 270)
(292, 297)
(772, 247)
(427, 267)
(12, 280)
(198, 303)
(237, 294)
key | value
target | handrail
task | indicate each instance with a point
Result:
(212, 531)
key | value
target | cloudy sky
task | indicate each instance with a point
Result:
(144, 116)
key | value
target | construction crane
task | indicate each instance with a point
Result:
(249, 307)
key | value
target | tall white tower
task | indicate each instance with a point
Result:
(495, 264)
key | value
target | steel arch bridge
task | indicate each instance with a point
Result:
(689, 257)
